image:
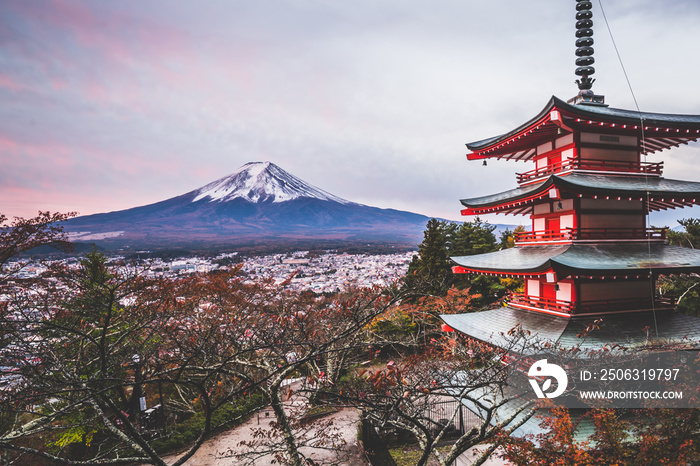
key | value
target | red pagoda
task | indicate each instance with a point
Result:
(589, 253)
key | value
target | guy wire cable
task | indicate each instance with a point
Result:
(644, 153)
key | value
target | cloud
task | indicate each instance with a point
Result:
(108, 105)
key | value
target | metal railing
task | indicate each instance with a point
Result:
(585, 307)
(542, 303)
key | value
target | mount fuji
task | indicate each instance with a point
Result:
(258, 203)
(262, 182)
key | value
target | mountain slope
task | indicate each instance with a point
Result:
(258, 202)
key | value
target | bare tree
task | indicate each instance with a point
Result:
(295, 332)
(407, 397)
(87, 347)
(24, 234)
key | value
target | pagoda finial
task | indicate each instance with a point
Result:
(584, 52)
(584, 42)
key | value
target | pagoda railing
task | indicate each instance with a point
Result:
(587, 307)
(595, 234)
(646, 168)
(567, 234)
(541, 303)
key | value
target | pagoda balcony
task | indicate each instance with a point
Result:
(610, 166)
(539, 303)
(591, 234)
(588, 307)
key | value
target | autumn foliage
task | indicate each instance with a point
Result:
(610, 437)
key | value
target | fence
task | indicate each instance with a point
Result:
(443, 412)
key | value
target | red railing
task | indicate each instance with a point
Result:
(541, 303)
(553, 235)
(647, 168)
(587, 307)
(570, 234)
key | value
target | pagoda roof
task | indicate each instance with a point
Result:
(624, 329)
(594, 260)
(663, 193)
(659, 130)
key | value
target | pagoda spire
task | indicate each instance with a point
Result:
(584, 42)
(584, 55)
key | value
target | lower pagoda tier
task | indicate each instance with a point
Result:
(630, 329)
(580, 279)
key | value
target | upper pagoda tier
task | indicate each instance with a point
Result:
(560, 136)
(589, 253)
(660, 130)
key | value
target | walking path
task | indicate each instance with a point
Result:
(224, 448)
(218, 450)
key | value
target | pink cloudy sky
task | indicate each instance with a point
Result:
(110, 105)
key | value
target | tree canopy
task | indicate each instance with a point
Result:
(430, 271)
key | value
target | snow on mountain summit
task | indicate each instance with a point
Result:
(262, 182)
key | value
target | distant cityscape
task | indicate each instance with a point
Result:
(319, 273)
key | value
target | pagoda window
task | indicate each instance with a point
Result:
(541, 163)
(567, 155)
(565, 291)
(539, 225)
(533, 288)
(567, 222)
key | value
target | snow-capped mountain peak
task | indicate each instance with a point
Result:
(262, 182)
